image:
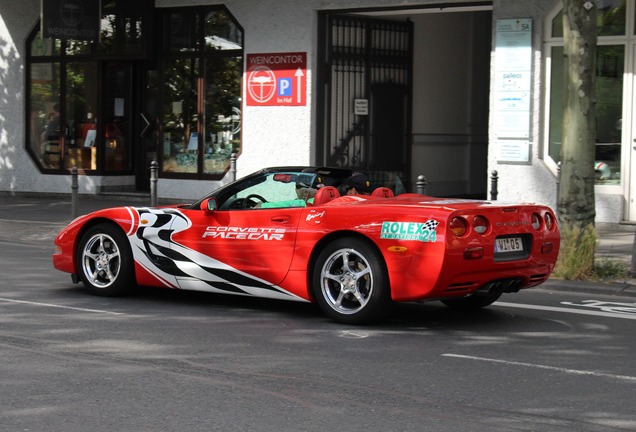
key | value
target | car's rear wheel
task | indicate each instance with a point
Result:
(473, 302)
(350, 282)
(105, 263)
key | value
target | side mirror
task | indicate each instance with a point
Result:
(209, 204)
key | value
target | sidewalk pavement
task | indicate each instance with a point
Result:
(37, 218)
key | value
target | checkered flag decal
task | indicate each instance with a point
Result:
(431, 225)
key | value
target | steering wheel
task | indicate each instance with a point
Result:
(236, 204)
(247, 200)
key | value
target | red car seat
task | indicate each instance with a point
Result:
(325, 194)
(383, 192)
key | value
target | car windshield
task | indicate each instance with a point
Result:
(277, 188)
(268, 191)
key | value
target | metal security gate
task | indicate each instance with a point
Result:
(365, 107)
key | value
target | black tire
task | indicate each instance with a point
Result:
(350, 282)
(104, 260)
(473, 302)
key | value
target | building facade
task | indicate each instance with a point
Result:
(399, 88)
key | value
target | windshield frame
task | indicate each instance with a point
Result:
(329, 176)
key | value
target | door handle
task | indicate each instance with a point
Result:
(143, 132)
(283, 219)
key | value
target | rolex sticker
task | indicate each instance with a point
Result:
(424, 232)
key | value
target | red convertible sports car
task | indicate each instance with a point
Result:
(293, 233)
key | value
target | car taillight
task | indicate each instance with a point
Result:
(549, 221)
(480, 224)
(458, 226)
(536, 221)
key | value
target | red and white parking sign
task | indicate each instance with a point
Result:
(276, 79)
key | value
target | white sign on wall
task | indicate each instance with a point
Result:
(513, 87)
(513, 150)
(361, 106)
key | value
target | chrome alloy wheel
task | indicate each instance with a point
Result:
(346, 281)
(101, 260)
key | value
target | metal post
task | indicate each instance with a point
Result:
(154, 170)
(494, 181)
(632, 270)
(74, 193)
(420, 185)
(233, 166)
(558, 189)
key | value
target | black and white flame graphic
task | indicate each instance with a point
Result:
(181, 267)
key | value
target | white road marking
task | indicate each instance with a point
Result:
(565, 310)
(59, 306)
(540, 366)
(605, 306)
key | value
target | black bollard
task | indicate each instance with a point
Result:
(494, 182)
(420, 185)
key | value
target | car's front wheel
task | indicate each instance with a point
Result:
(105, 263)
(350, 282)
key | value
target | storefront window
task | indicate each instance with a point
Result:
(556, 103)
(44, 130)
(609, 102)
(123, 26)
(80, 128)
(223, 113)
(45, 47)
(609, 118)
(77, 48)
(88, 104)
(63, 101)
(180, 116)
(610, 70)
(221, 33)
(611, 19)
(201, 92)
(181, 30)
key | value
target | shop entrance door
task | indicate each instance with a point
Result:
(129, 117)
(117, 106)
(145, 119)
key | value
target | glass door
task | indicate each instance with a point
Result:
(116, 115)
(145, 118)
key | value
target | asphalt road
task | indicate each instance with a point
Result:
(178, 361)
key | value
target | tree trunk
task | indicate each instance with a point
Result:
(576, 190)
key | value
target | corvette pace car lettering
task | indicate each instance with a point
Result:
(177, 266)
(238, 233)
(424, 232)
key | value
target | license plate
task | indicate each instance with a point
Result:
(508, 244)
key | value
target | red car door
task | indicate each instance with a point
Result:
(257, 242)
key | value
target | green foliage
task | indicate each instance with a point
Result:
(576, 256)
(608, 269)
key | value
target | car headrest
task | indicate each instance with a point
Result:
(325, 194)
(383, 192)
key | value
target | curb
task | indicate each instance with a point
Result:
(619, 287)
